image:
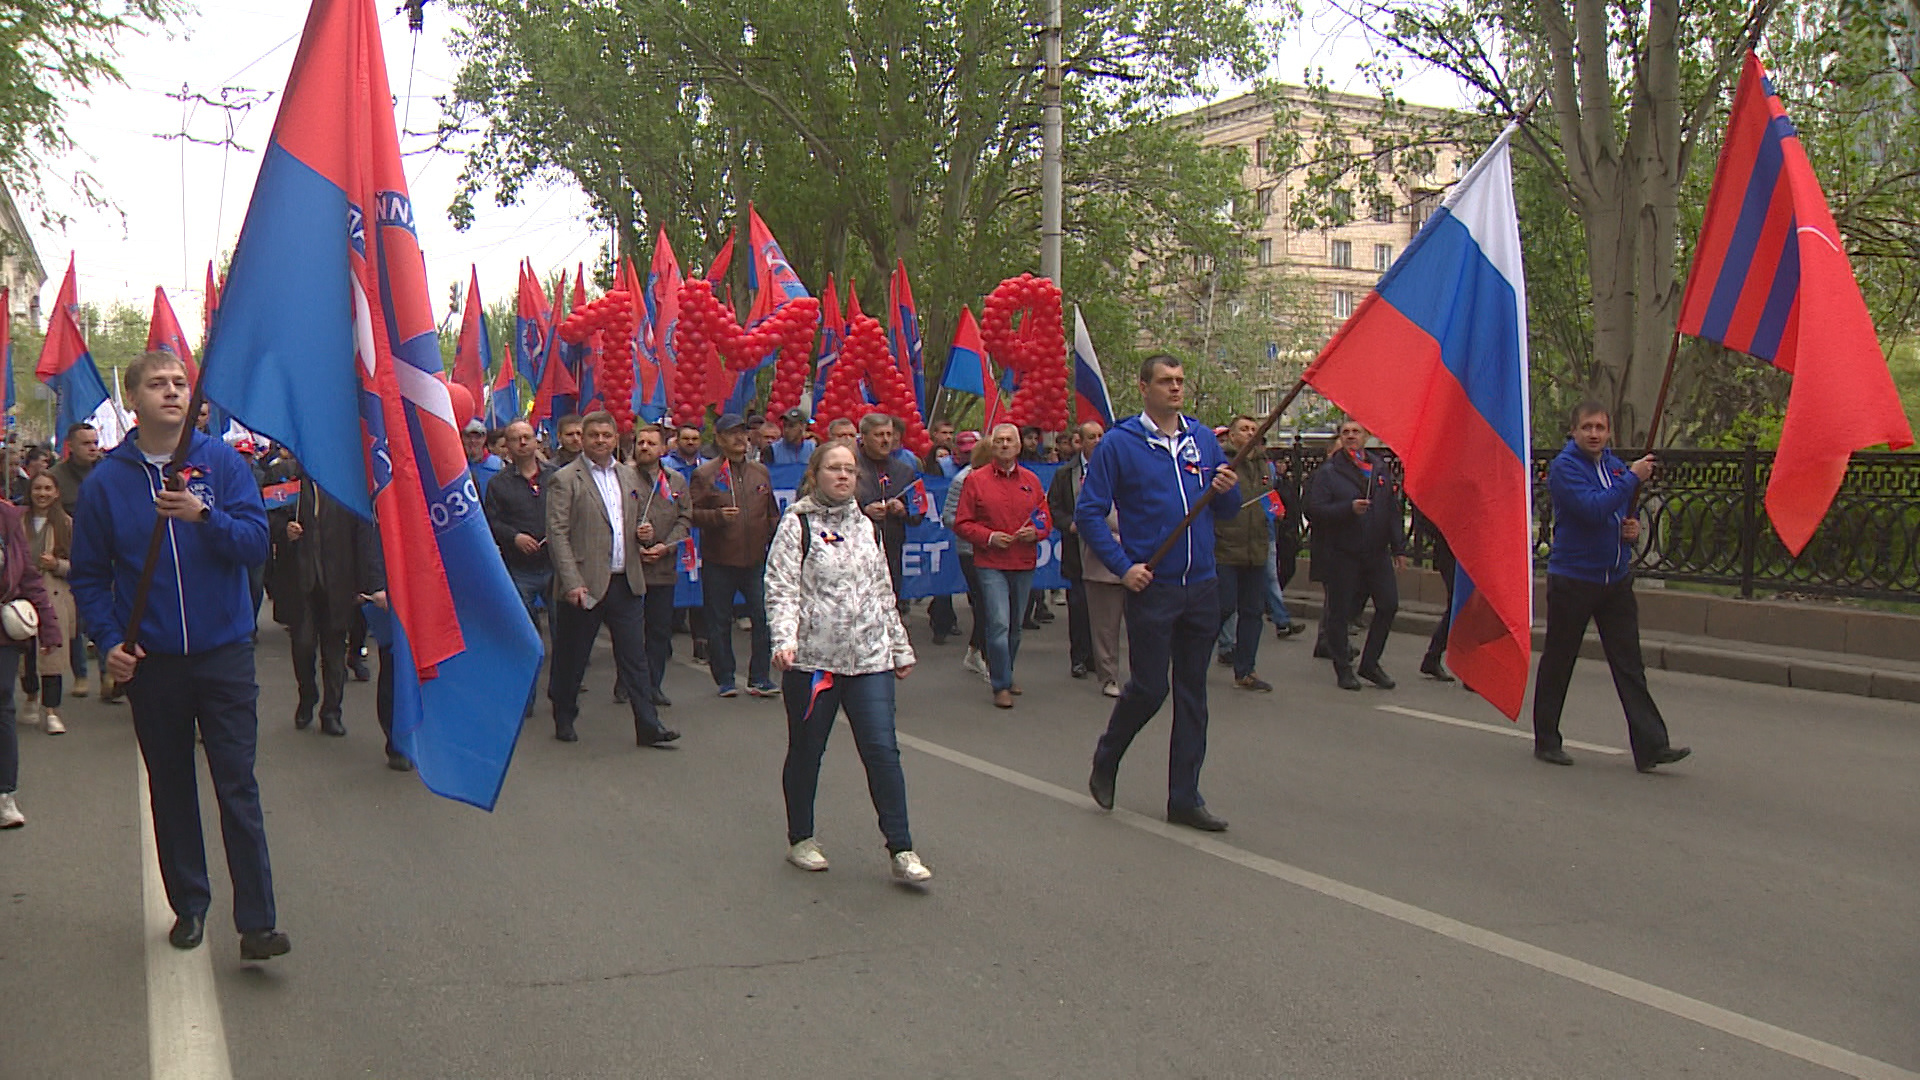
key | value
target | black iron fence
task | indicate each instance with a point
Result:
(1705, 520)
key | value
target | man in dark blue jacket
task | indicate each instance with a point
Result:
(1590, 576)
(190, 661)
(1153, 468)
(1359, 532)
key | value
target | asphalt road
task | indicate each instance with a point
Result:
(1398, 897)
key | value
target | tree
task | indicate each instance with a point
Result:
(51, 51)
(864, 133)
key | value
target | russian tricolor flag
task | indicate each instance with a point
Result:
(66, 366)
(1434, 362)
(328, 344)
(1091, 400)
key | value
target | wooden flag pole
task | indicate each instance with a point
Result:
(1239, 459)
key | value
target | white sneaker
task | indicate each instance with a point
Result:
(807, 855)
(909, 870)
(54, 726)
(1111, 689)
(975, 663)
(28, 715)
(12, 818)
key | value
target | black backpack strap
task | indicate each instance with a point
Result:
(806, 537)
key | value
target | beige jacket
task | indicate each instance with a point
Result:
(580, 536)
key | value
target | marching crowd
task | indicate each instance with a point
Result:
(592, 530)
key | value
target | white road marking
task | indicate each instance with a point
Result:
(1510, 732)
(185, 1037)
(1759, 1032)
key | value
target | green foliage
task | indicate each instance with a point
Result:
(867, 133)
(50, 52)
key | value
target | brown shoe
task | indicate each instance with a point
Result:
(1003, 699)
(1015, 690)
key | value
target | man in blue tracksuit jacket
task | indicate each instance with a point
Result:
(190, 661)
(1153, 468)
(1590, 576)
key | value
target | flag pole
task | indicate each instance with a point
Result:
(1238, 460)
(1660, 399)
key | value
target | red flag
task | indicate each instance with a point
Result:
(769, 274)
(555, 380)
(853, 302)
(470, 357)
(718, 271)
(209, 305)
(663, 311)
(1770, 274)
(164, 334)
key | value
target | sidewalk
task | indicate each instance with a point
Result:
(1813, 646)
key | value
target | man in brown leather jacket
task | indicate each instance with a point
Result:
(735, 511)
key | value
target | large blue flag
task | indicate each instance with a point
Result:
(327, 344)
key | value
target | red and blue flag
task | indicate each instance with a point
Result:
(903, 334)
(1771, 279)
(1091, 400)
(833, 333)
(723, 478)
(503, 397)
(164, 334)
(6, 347)
(970, 372)
(1434, 362)
(556, 391)
(474, 353)
(821, 682)
(1275, 507)
(689, 556)
(328, 345)
(917, 501)
(66, 366)
(663, 317)
(281, 494)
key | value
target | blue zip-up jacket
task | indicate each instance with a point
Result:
(1153, 488)
(200, 599)
(1591, 501)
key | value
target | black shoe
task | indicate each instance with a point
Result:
(699, 652)
(1348, 682)
(1555, 756)
(188, 931)
(264, 944)
(1029, 624)
(1044, 615)
(661, 700)
(660, 738)
(1197, 817)
(619, 694)
(1294, 629)
(1434, 669)
(332, 725)
(1078, 671)
(1666, 756)
(565, 733)
(358, 669)
(1320, 650)
(1223, 659)
(398, 762)
(303, 716)
(1377, 677)
(1101, 786)
(940, 637)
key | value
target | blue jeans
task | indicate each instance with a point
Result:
(1276, 601)
(718, 585)
(1003, 595)
(1242, 592)
(1169, 625)
(868, 700)
(535, 586)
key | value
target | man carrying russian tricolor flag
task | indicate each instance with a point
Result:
(1434, 363)
(327, 344)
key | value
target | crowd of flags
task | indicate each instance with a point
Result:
(1433, 362)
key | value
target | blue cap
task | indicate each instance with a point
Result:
(729, 422)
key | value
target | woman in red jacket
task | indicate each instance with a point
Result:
(1003, 514)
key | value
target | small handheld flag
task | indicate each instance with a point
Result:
(1276, 508)
(916, 498)
(689, 556)
(822, 682)
(280, 494)
(723, 479)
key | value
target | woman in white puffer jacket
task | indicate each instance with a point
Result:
(837, 636)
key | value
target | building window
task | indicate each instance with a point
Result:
(1262, 401)
(1382, 256)
(1343, 205)
(1265, 250)
(1383, 212)
(1342, 303)
(1260, 153)
(1265, 202)
(1341, 253)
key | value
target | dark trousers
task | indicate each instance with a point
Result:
(1079, 628)
(383, 696)
(574, 631)
(978, 638)
(215, 690)
(942, 617)
(1350, 580)
(321, 631)
(659, 609)
(9, 733)
(1437, 644)
(1169, 626)
(1615, 610)
(1243, 593)
(868, 700)
(718, 586)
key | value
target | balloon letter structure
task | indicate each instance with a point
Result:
(865, 354)
(1036, 350)
(611, 317)
(707, 325)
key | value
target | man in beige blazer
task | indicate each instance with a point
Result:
(599, 578)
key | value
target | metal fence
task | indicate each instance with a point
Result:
(1705, 521)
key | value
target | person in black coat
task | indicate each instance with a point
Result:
(1359, 532)
(316, 580)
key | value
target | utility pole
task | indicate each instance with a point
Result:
(1051, 125)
